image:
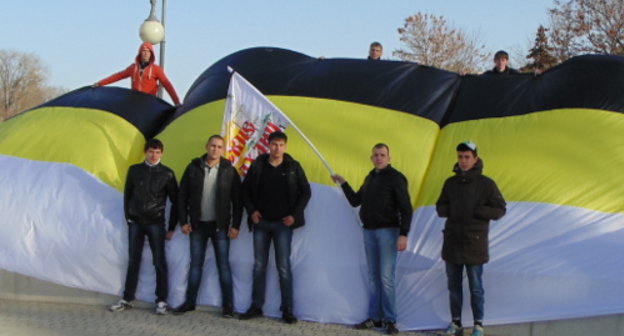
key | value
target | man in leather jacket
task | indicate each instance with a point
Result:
(148, 185)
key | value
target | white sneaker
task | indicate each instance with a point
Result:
(121, 305)
(478, 331)
(454, 329)
(161, 308)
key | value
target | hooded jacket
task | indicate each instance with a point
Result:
(299, 192)
(469, 200)
(229, 206)
(384, 198)
(147, 80)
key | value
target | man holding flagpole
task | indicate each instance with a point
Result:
(386, 213)
(275, 192)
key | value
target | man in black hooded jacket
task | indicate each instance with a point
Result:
(469, 200)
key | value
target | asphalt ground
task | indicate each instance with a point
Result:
(28, 318)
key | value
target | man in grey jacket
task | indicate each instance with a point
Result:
(210, 206)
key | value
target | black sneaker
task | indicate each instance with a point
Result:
(228, 312)
(183, 308)
(391, 328)
(288, 316)
(368, 324)
(252, 312)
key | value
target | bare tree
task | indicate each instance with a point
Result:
(587, 26)
(22, 83)
(429, 40)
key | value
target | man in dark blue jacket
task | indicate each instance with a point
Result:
(148, 184)
(210, 206)
(275, 193)
(386, 213)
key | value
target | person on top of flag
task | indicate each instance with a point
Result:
(145, 74)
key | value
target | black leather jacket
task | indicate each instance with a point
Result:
(146, 192)
(229, 205)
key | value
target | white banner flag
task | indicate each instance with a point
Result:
(248, 121)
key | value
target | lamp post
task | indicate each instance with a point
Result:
(153, 31)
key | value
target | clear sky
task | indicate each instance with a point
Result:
(82, 41)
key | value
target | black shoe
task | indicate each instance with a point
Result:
(391, 329)
(183, 308)
(288, 316)
(252, 312)
(368, 324)
(228, 312)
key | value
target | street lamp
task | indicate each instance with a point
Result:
(153, 31)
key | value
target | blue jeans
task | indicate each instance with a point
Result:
(136, 239)
(381, 253)
(281, 235)
(454, 275)
(221, 245)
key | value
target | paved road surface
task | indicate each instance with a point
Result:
(25, 318)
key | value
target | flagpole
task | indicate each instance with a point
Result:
(305, 138)
(316, 151)
(285, 117)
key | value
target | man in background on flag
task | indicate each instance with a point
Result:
(275, 194)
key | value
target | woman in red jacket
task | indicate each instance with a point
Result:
(145, 74)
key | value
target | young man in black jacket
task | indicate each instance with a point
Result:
(386, 213)
(469, 200)
(210, 206)
(148, 184)
(275, 193)
(501, 67)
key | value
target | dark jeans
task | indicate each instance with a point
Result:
(136, 239)
(454, 274)
(221, 245)
(281, 235)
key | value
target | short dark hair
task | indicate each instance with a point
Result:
(215, 136)
(382, 145)
(501, 54)
(153, 143)
(279, 135)
(376, 44)
(467, 146)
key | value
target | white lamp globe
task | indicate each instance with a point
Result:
(152, 31)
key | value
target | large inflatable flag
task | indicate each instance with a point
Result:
(553, 143)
